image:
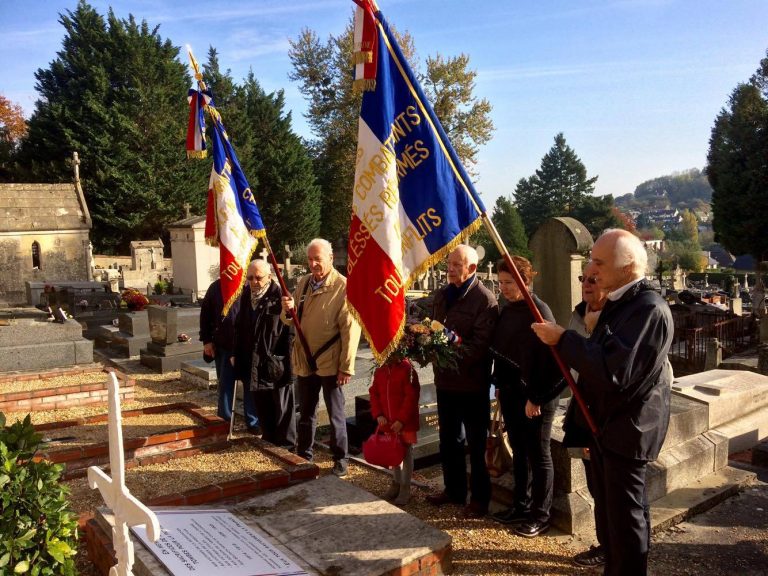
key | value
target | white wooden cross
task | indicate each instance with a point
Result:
(127, 510)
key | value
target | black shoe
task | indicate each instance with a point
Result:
(340, 468)
(532, 529)
(255, 430)
(511, 516)
(590, 558)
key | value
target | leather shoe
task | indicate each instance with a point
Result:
(511, 516)
(441, 498)
(532, 529)
(475, 510)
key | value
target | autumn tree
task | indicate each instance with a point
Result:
(12, 128)
(323, 70)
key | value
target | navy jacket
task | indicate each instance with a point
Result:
(214, 328)
(621, 373)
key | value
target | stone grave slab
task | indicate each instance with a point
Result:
(737, 403)
(330, 526)
(164, 352)
(30, 345)
(129, 336)
(199, 373)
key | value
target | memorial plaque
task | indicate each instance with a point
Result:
(195, 542)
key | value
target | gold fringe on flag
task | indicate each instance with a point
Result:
(363, 57)
(364, 84)
(197, 153)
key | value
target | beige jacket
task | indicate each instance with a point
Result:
(325, 314)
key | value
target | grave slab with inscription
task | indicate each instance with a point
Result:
(327, 526)
(164, 351)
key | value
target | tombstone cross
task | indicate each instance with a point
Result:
(264, 254)
(186, 207)
(127, 510)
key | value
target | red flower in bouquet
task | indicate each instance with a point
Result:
(134, 299)
(427, 343)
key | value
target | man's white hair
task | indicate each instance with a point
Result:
(468, 253)
(629, 251)
(321, 243)
(260, 266)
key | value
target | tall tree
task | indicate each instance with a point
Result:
(280, 168)
(12, 128)
(509, 225)
(324, 73)
(558, 187)
(449, 85)
(738, 171)
(115, 94)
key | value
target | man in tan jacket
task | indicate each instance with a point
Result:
(333, 335)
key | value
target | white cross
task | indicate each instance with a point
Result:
(127, 510)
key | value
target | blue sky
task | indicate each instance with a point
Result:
(634, 85)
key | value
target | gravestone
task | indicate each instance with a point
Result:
(129, 336)
(558, 247)
(198, 373)
(29, 344)
(329, 526)
(164, 351)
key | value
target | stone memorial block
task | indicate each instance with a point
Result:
(199, 373)
(30, 345)
(164, 352)
(134, 323)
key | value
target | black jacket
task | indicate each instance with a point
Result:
(214, 328)
(621, 373)
(262, 329)
(473, 317)
(522, 363)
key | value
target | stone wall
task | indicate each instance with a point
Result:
(63, 256)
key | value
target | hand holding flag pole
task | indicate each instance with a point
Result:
(413, 201)
(233, 221)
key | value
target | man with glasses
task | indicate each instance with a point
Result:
(623, 376)
(332, 335)
(217, 336)
(262, 355)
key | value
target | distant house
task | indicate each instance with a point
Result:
(44, 236)
(711, 262)
(653, 245)
(666, 218)
(721, 255)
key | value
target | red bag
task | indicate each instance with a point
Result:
(384, 449)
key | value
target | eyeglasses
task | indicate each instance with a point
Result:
(251, 278)
(589, 279)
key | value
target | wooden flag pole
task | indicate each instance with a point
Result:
(537, 316)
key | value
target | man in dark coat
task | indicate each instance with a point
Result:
(469, 312)
(217, 335)
(263, 356)
(623, 378)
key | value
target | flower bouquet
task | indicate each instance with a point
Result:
(428, 342)
(134, 300)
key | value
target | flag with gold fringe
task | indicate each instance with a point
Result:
(233, 222)
(412, 200)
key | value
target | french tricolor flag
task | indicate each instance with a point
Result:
(412, 200)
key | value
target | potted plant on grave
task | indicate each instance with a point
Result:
(134, 300)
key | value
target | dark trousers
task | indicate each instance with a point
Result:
(464, 416)
(308, 390)
(532, 465)
(225, 373)
(622, 514)
(277, 413)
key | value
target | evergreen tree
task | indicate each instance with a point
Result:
(597, 213)
(115, 93)
(509, 225)
(738, 171)
(280, 169)
(558, 188)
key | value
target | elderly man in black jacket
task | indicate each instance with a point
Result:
(218, 337)
(623, 378)
(469, 312)
(263, 355)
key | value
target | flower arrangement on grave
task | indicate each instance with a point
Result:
(429, 342)
(134, 299)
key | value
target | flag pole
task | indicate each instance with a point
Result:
(217, 125)
(491, 228)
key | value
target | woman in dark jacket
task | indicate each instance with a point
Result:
(262, 356)
(528, 384)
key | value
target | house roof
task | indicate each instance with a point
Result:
(43, 207)
(187, 222)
